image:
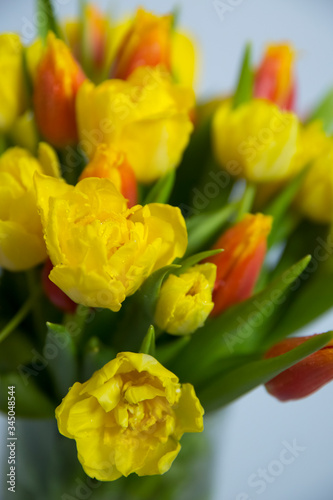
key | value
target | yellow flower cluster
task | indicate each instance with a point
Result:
(268, 146)
(129, 417)
(120, 100)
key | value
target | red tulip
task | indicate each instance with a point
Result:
(305, 377)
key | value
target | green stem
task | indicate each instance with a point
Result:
(3, 143)
(34, 288)
(77, 320)
(17, 319)
(247, 200)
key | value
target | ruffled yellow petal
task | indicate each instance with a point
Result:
(102, 251)
(129, 417)
(146, 117)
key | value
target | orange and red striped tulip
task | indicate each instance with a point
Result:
(58, 78)
(147, 43)
(238, 266)
(111, 164)
(274, 79)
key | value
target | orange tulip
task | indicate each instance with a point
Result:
(305, 377)
(274, 79)
(113, 165)
(147, 43)
(58, 78)
(238, 266)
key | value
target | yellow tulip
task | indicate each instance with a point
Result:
(185, 301)
(101, 250)
(256, 140)
(146, 117)
(315, 197)
(21, 236)
(12, 86)
(24, 132)
(129, 417)
(183, 58)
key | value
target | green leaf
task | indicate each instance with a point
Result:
(240, 330)
(148, 344)
(60, 351)
(150, 290)
(3, 143)
(324, 112)
(170, 350)
(278, 209)
(314, 299)
(18, 318)
(30, 400)
(175, 17)
(194, 259)
(86, 46)
(47, 18)
(234, 384)
(161, 191)
(189, 171)
(244, 89)
(246, 201)
(203, 228)
(15, 350)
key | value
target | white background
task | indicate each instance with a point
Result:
(250, 434)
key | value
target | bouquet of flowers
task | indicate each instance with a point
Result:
(156, 253)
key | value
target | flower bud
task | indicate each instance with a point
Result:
(111, 164)
(147, 43)
(304, 378)
(275, 79)
(239, 265)
(185, 301)
(54, 294)
(58, 78)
